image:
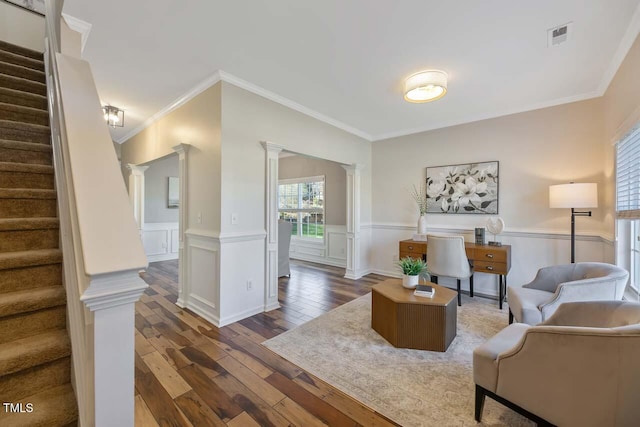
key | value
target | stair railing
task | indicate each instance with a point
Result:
(102, 252)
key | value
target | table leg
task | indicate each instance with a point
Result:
(501, 291)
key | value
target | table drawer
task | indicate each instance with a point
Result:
(490, 254)
(411, 255)
(413, 247)
(490, 267)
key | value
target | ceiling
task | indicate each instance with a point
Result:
(345, 62)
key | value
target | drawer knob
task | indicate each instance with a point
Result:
(490, 267)
(410, 248)
(489, 255)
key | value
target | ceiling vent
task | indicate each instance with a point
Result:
(559, 34)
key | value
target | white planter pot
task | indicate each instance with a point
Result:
(410, 282)
(422, 224)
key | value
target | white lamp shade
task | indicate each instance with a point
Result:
(575, 195)
(425, 86)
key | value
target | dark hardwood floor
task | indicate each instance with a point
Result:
(191, 373)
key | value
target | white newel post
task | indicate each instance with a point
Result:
(271, 218)
(112, 297)
(353, 221)
(136, 192)
(183, 286)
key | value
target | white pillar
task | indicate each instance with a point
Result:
(136, 192)
(112, 297)
(353, 221)
(271, 218)
(183, 285)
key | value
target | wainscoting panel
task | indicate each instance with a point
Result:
(530, 250)
(160, 241)
(201, 290)
(333, 251)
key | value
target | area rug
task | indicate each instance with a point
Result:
(411, 387)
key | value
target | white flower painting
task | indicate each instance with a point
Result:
(465, 189)
(36, 6)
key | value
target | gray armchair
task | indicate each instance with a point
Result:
(535, 302)
(579, 368)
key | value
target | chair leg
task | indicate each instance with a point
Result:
(479, 402)
(459, 294)
(510, 317)
(471, 285)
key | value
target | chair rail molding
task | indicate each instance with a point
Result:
(183, 281)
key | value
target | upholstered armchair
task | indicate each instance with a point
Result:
(535, 302)
(581, 367)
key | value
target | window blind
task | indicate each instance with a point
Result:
(628, 175)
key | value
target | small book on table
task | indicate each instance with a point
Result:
(424, 291)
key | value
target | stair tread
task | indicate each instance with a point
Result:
(27, 193)
(22, 51)
(31, 127)
(24, 109)
(20, 71)
(31, 300)
(41, 87)
(29, 258)
(12, 224)
(26, 168)
(25, 61)
(33, 351)
(52, 407)
(22, 93)
(25, 146)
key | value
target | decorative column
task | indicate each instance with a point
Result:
(136, 193)
(271, 218)
(353, 221)
(112, 298)
(183, 285)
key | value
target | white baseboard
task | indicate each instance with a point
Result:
(162, 257)
(203, 308)
(239, 316)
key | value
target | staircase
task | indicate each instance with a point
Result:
(35, 351)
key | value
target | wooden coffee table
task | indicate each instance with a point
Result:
(408, 321)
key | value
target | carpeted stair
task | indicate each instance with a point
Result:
(35, 351)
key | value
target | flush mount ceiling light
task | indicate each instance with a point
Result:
(113, 116)
(425, 86)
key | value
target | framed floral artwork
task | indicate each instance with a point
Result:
(470, 188)
(35, 6)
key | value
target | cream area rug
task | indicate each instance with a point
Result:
(411, 387)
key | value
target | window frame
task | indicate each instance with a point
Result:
(301, 211)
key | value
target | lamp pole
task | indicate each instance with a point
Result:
(574, 214)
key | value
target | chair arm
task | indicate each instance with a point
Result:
(595, 289)
(595, 314)
(548, 278)
(563, 374)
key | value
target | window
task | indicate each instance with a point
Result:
(628, 203)
(301, 202)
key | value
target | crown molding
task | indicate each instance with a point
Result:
(80, 26)
(621, 53)
(220, 75)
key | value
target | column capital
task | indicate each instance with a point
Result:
(181, 149)
(137, 170)
(355, 167)
(270, 146)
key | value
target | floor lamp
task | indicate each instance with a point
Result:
(574, 196)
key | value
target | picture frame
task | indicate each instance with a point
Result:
(35, 6)
(173, 192)
(467, 188)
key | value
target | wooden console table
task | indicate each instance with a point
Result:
(485, 259)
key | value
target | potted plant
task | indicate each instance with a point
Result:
(411, 269)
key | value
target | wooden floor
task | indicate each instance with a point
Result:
(190, 373)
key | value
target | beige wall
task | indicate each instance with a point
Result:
(196, 123)
(535, 149)
(248, 119)
(335, 186)
(22, 28)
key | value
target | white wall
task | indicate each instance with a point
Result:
(22, 28)
(535, 149)
(156, 187)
